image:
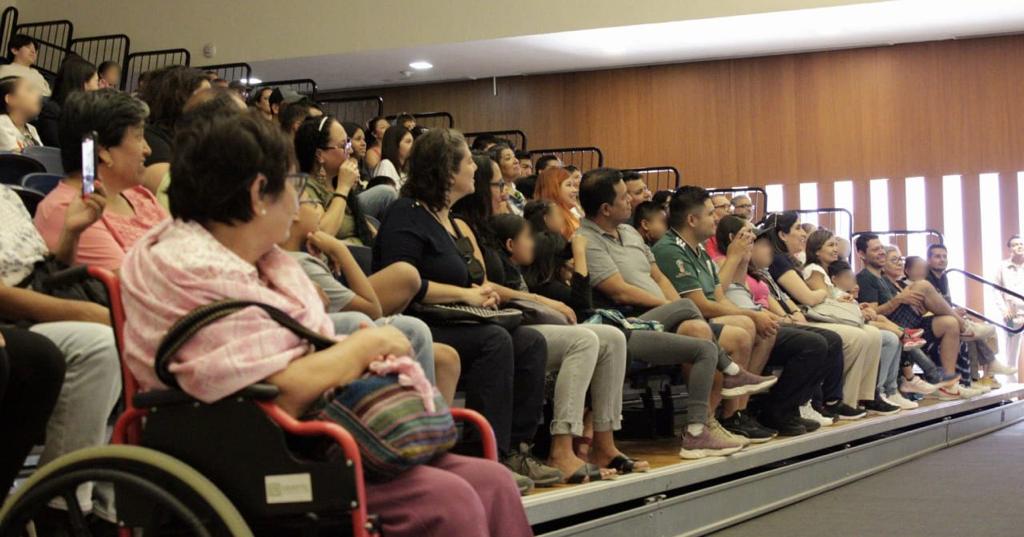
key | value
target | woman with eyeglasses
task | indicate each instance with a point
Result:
(322, 149)
(502, 371)
(229, 214)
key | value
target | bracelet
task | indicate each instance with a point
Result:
(342, 196)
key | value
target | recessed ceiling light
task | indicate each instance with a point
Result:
(251, 81)
(420, 66)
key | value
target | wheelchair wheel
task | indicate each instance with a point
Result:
(156, 493)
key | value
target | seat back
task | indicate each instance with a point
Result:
(49, 157)
(42, 182)
(14, 166)
(235, 445)
(31, 198)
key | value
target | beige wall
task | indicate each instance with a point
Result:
(253, 30)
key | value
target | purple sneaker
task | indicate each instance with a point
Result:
(745, 383)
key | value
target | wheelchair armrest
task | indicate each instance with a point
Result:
(158, 398)
(490, 444)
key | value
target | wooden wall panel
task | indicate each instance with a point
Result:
(916, 109)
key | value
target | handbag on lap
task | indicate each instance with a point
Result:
(835, 311)
(392, 424)
(463, 314)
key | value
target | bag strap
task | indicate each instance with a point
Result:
(186, 327)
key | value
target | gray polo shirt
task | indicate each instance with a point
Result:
(627, 255)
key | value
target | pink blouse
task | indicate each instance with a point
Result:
(179, 266)
(105, 242)
(760, 291)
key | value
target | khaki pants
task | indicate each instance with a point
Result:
(862, 349)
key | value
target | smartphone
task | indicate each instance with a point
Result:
(88, 164)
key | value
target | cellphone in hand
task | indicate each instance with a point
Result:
(88, 164)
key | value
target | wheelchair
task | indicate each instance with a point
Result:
(235, 467)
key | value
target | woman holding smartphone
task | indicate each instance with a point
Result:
(115, 124)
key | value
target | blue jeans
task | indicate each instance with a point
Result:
(374, 201)
(889, 363)
(418, 333)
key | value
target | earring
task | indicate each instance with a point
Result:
(263, 211)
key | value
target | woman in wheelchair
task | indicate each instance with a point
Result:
(229, 214)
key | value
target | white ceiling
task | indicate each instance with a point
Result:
(857, 25)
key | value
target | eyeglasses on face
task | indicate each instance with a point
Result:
(743, 206)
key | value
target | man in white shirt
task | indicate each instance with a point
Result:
(1011, 276)
(21, 53)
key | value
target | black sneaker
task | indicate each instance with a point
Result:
(810, 425)
(743, 425)
(879, 407)
(791, 425)
(841, 411)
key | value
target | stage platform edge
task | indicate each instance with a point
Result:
(698, 497)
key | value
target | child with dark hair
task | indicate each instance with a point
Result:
(651, 220)
(544, 216)
(842, 276)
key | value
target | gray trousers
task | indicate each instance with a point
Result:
(889, 363)
(669, 348)
(92, 386)
(587, 357)
(418, 333)
(374, 201)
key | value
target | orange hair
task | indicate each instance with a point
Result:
(549, 186)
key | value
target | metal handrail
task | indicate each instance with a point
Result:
(229, 69)
(109, 44)
(9, 18)
(500, 134)
(1000, 288)
(744, 190)
(555, 151)
(49, 61)
(130, 76)
(377, 99)
(427, 115)
(295, 82)
(935, 232)
(658, 170)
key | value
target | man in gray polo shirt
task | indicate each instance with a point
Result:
(623, 271)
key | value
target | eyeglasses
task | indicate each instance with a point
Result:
(298, 181)
(347, 147)
(743, 206)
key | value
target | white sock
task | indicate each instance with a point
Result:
(733, 369)
(695, 429)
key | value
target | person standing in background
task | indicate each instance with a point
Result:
(1011, 276)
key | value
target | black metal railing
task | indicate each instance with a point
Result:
(429, 120)
(138, 63)
(103, 48)
(230, 71)
(584, 158)
(998, 288)
(357, 109)
(905, 232)
(8, 21)
(304, 86)
(53, 40)
(659, 177)
(516, 138)
(758, 197)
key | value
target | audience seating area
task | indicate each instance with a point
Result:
(720, 421)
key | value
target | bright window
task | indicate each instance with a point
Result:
(776, 199)
(843, 192)
(809, 200)
(953, 226)
(917, 218)
(880, 205)
(991, 236)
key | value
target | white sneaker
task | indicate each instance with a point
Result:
(967, 392)
(980, 388)
(807, 412)
(999, 368)
(897, 399)
(917, 385)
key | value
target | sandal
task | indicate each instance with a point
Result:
(625, 465)
(587, 473)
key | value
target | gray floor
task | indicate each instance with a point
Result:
(975, 489)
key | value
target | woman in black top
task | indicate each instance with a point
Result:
(862, 346)
(502, 373)
(586, 357)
